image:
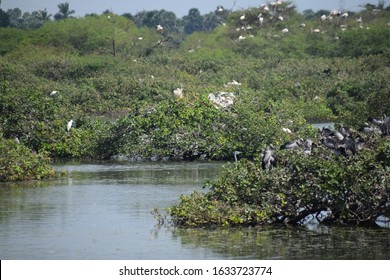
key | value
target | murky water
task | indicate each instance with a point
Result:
(102, 211)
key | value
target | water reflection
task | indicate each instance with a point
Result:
(281, 242)
(102, 211)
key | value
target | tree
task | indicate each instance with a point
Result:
(15, 17)
(34, 20)
(193, 21)
(129, 16)
(211, 21)
(309, 14)
(4, 19)
(153, 18)
(64, 11)
(43, 15)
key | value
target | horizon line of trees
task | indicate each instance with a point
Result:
(188, 24)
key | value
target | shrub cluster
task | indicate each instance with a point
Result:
(325, 186)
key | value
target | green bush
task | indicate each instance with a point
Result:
(354, 190)
(17, 162)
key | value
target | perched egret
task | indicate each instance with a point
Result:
(178, 93)
(69, 125)
(235, 153)
(286, 130)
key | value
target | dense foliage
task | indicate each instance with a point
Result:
(18, 162)
(331, 188)
(139, 87)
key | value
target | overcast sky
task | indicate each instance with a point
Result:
(179, 7)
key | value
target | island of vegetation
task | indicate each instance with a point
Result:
(237, 85)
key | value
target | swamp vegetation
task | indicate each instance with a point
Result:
(280, 69)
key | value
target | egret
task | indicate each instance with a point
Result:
(54, 92)
(261, 19)
(235, 153)
(286, 130)
(178, 93)
(285, 30)
(242, 17)
(69, 125)
(159, 28)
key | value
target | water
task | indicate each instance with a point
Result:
(102, 211)
(324, 125)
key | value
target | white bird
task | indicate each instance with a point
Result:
(235, 153)
(286, 130)
(241, 38)
(242, 17)
(159, 28)
(69, 125)
(140, 38)
(233, 83)
(316, 30)
(178, 93)
(323, 17)
(285, 30)
(280, 18)
(345, 15)
(261, 19)
(54, 92)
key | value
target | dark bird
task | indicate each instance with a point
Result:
(328, 143)
(291, 144)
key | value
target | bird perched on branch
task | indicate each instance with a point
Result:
(69, 125)
(178, 93)
(235, 153)
(268, 159)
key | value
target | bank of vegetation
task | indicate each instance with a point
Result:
(243, 80)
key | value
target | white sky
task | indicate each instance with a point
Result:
(179, 7)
